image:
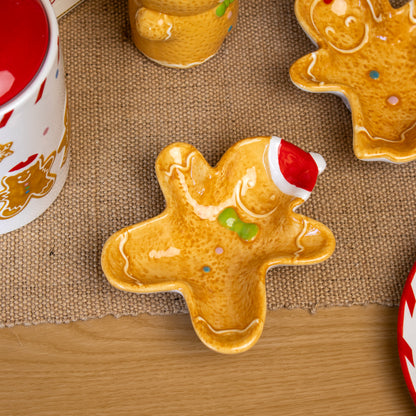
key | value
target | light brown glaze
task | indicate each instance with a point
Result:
(18, 188)
(185, 248)
(180, 33)
(366, 53)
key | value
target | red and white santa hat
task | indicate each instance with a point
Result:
(293, 170)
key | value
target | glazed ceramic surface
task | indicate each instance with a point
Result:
(406, 332)
(181, 33)
(366, 53)
(222, 229)
(33, 112)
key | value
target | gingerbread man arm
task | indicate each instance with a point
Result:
(153, 25)
(315, 241)
(181, 171)
(140, 258)
(304, 73)
(296, 240)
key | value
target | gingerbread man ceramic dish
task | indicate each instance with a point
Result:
(222, 229)
(181, 33)
(366, 54)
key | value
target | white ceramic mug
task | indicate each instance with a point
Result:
(34, 135)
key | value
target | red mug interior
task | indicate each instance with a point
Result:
(24, 38)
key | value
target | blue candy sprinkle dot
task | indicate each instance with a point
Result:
(374, 74)
(206, 269)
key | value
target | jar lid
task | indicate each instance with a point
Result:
(24, 38)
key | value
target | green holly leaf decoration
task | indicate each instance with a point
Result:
(221, 9)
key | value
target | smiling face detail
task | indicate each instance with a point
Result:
(29, 179)
(366, 52)
(222, 229)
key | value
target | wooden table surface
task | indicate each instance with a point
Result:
(338, 361)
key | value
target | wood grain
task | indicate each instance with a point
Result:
(338, 361)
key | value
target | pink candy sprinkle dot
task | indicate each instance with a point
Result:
(393, 100)
(229, 15)
(45, 132)
(219, 250)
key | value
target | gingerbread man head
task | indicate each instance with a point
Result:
(366, 54)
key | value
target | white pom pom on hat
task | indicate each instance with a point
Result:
(293, 170)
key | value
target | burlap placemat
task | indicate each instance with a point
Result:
(126, 109)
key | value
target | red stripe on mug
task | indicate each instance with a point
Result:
(22, 165)
(58, 50)
(40, 93)
(5, 119)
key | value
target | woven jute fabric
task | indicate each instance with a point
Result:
(125, 109)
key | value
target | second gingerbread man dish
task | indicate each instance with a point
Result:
(367, 55)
